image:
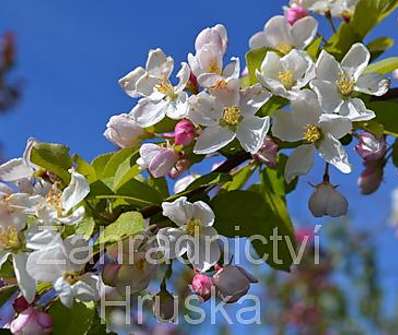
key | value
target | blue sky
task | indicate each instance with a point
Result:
(71, 54)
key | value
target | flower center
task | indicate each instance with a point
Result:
(345, 84)
(283, 47)
(167, 89)
(54, 198)
(213, 67)
(10, 239)
(287, 79)
(220, 85)
(193, 227)
(71, 277)
(231, 116)
(312, 133)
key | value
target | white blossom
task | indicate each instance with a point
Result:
(123, 131)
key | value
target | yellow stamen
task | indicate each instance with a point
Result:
(10, 238)
(312, 133)
(287, 79)
(220, 85)
(54, 198)
(345, 84)
(213, 67)
(193, 227)
(71, 277)
(232, 116)
(167, 89)
(284, 48)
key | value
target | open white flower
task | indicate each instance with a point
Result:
(166, 100)
(141, 82)
(335, 8)
(336, 84)
(319, 132)
(60, 205)
(62, 263)
(230, 116)
(210, 45)
(194, 235)
(279, 35)
(286, 76)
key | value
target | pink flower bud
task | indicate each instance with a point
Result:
(303, 234)
(122, 131)
(327, 201)
(268, 153)
(32, 322)
(371, 178)
(215, 36)
(295, 13)
(232, 283)
(371, 148)
(184, 133)
(201, 285)
(158, 160)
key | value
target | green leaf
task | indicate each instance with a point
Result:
(210, 179)
(115, 160)
(383, 67)
(387, 115)
(248, 213)
(371, 126)
(128, 224)
(125, 173)
(274, 104)
(240, 178)
(85, 227)
(53, 158)
(84, 168)
(314, 48)
(99, 163)
(159, 184)
(7, 269)
(76, 320)
(379, 46)
(139, 193)
(254, 58)
(368, 14)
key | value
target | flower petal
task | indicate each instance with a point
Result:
(327, 68)
(26, 283)
(180, 211)
(212, 139)
(372, 84)
(258, 40)
(328, 96)
(205, 252)
(251, 133)
(277, 30)
(355, 110)
(148, 112)
(338, 126)
(332, 151)
(299, 162)
(203, 212)
(15, 169)
(171, 242)
(158, 64)
(304, 31)
(129, 81)
(75, 192)
(356, 60)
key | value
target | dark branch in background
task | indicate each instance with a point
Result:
(230, 164)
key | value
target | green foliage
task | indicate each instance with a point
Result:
(247, 214)
(240, 178)
(76, 320)
(85, 227)
(85, 169)
(383, 67)
(315, 48)
(379, 46)
(254, 58)
(128, 224)
(386, 114)
(53, 158)
(368, 14)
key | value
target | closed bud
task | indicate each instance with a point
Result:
(201, 285)
(371, 148)
(327, 201)
(295, 13)
(32, 322)
(268, 153)
(123, 131)
(232, 283)
(184, 133)
(215, 36)
(371, 178)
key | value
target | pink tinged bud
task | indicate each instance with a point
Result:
(215, 36)
(371, 148)
(122, 131)
(268, 153)
(327, 201)
(184, 133)
(158, 160)
(232, 283)
(295, 13)
(201, 285)
(32, 322)
(370, 179)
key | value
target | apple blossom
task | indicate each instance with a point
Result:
(184, 132)
(183, 183)
(32, 322)
(268, 153)
(336, 84)
(201, 285)
(286, 76)
(327, 201)
(123, 131)
(165, 100)
(335, 8)
(279, 35)
(61, 263)
(230, 116)
(232, 283)
(142, 82)
(157, 159)
(194, 236)
(317, 130)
